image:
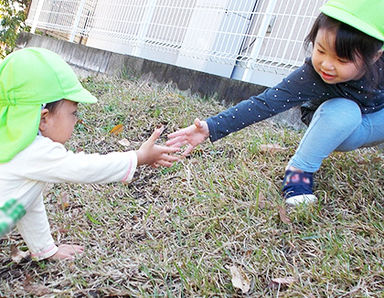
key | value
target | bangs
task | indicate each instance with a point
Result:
(348, 45)
(351, 43)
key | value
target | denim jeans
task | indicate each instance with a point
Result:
(337, 125)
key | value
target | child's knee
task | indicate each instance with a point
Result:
(340, 112)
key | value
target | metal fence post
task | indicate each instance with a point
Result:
(259, 39)
(147, 17)
(77, 20)
(37, 15)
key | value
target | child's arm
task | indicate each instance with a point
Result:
(48, 161)
(303, 85)
(156, 155)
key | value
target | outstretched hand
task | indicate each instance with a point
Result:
(192, 135)
(156, 155)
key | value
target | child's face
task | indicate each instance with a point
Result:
(331, 68)
(59, 125)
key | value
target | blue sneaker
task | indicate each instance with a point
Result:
(297, 188)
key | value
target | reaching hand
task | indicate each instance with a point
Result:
(156, 155)
(192, 135)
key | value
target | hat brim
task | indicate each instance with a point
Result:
(81, 96)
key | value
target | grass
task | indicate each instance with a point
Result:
(175, 232)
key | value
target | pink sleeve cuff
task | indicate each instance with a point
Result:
(131, 168)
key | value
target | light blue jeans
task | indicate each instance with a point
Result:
(337, 125)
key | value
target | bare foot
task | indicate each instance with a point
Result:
(67, 252)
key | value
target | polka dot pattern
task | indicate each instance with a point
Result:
(303, 86)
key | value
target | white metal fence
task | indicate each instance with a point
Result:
(252, 40)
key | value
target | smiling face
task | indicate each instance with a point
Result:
(58, 124)
(331, 68)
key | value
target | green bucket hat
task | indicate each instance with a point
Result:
(29, 78)
(364, 15)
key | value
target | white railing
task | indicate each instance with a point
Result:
(252, 40)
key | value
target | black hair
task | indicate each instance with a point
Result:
(350, 44)
(52, 106)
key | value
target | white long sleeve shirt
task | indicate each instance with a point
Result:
(23, 179)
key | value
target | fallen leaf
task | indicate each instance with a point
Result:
(362, 161)
(36, 290)
(83, 123)
(240, 279)
(283, 215)
(248, 253)
(124, 142)
(261, 201)
(284, 280)
(271, 148)
(63, 230)
(17, 255)
(117, 129)
(63, 201)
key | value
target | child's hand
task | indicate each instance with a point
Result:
(156, 155)
(67, 252)
(192, 135)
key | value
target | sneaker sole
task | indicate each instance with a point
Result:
(301, 199)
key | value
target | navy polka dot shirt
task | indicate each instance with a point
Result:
(303, 85)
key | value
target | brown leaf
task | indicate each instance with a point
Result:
(261, 201)
(283, 215)
(17, 255)
(271, 148)
(63, 201)
(117, 129)
(63, 231)
(38, 290)
(83, 123)
(284, 280)
(362, 161)
(124, 142)
(248, 253)
(239, 279)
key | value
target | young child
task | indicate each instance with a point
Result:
(340, 88)
(39, 93)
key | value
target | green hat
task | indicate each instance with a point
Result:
(364, 15)
(29, 78)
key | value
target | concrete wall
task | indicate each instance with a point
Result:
(91, 61)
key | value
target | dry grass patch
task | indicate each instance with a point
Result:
(177, 231)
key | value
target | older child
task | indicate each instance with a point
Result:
(341, 87)
(39, 94)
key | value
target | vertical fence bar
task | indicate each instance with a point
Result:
(37, 15)
(259, 39)
(77, 20)
(143, 29)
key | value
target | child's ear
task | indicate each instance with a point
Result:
(43, 119)
(377, 56)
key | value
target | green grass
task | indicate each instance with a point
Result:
(174, 232)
